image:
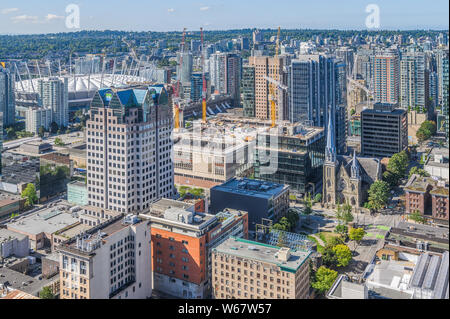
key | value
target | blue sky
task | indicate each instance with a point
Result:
(44, 16)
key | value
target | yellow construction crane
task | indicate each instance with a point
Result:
(272, 86)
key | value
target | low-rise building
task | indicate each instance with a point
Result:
(437, 164)
(10, 206)
(428, 196)
(245, 269)
(40, 225)
(430, 277)
(181, 245)
(13, 244)
(262, 200)
(110, 261)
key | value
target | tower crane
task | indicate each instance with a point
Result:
(176, 98)
(272, 86)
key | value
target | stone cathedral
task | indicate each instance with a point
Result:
(347, 179)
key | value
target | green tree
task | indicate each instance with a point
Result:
(391, 178)
(329, 257)
(41, 132)
(342, 230)
(46, 293)
(324, 279)
(344, 214)
(419, 171)
(54, 128)
(29, 193)
(59, 142)
(293, 218)
(378, 195)
(318, 198)
(417, 217)
(357, 235)
(426, 130)
(307, 202)
(11, 133)
(343, 255)
(398, 164)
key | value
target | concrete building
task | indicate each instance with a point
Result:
(437, 163)
(413, 82)
(430, 277)
(128, 149)
(386, 77)
(226, 73)
(184, 71)
(111, 261)
(269, 67)
(7, 98)
(384, 130)
(262, 200)
(181, 245)
(42, 224)
(10, 206)
(37, 117)
(13, 244)
(54, 95)
(245, 269)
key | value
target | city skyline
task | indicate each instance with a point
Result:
(17, 17)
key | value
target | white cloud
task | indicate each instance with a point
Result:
(204, 8)
(9, 10)
(171, 10)
(50, 17)
(25, 18)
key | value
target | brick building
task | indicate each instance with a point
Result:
(245, 269)
(182, 240)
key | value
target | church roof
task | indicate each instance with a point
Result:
(369, 167)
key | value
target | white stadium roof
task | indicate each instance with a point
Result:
(83, 87)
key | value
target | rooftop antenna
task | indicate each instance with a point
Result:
(70, 63)
(103, 72)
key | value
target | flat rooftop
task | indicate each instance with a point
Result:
(251, 187)
(71, 232)
(6, 235)
(23, 282)
(262, 252)
(49, 221)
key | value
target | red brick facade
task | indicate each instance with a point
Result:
(440, 206)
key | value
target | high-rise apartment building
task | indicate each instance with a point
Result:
(273, 68)
(226, 71)
(313, 87)
(182, 240)
(129, 148)
(386, 77)
(37, 117)
(110, 261)
(54, 95)
(248, 90)
(244, 269)
(184, 71)
(7, 99)
(413, 90)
